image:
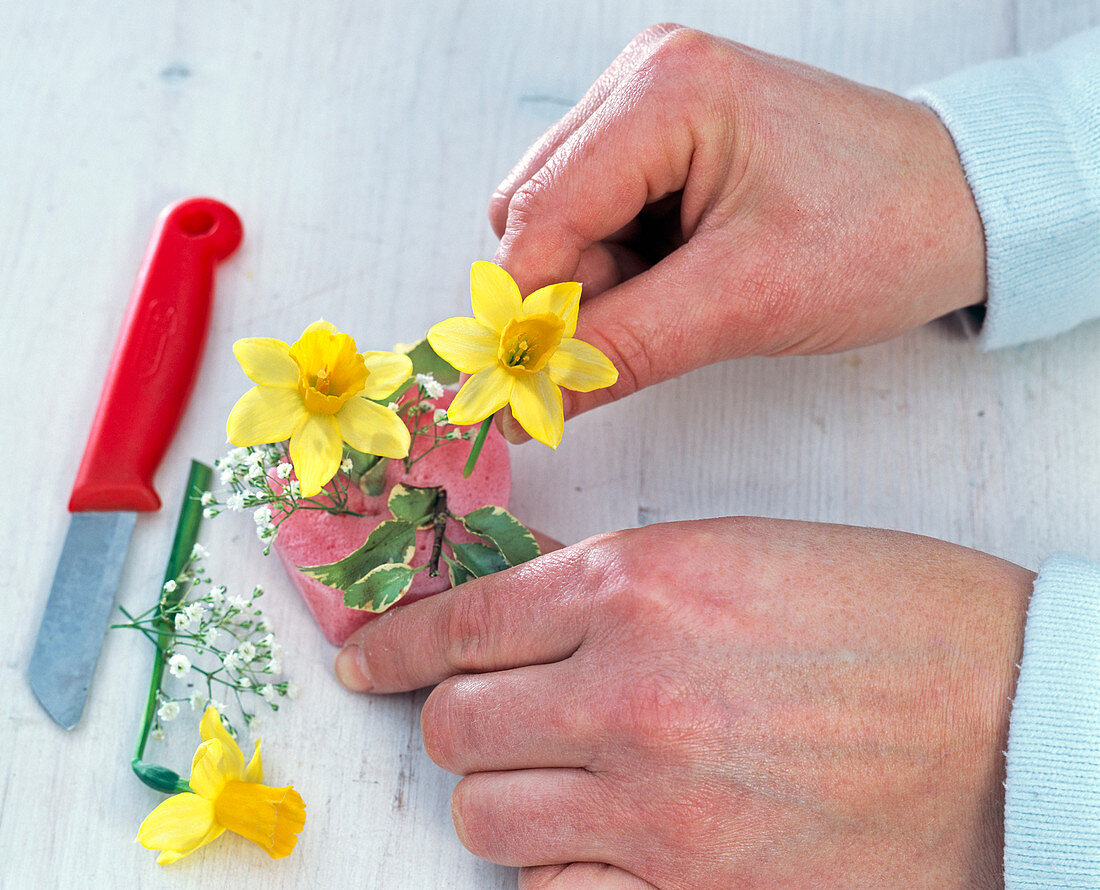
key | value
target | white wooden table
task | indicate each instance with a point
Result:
(360, 142)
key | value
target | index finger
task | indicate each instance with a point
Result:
(535, 613)
(533, 159)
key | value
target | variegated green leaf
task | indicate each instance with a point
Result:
(510, 536)
(391, 541)
(380, 588)
(458, 573)
(479, 559)
(414, 504)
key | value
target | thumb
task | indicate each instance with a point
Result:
(670, 319)
(580, 876)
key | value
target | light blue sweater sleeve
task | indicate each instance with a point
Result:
(1028, 134)
(1052, 792)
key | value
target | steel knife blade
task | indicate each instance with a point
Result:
(149, 379)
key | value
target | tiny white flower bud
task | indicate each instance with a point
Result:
(179, 666)
(207, 498)
(169, 711)
(430, 385)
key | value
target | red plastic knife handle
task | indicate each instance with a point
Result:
(156, 357)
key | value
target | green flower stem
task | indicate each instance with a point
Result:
(475, 451)
(187, 530)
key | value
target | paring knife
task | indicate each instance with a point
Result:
(148, 381)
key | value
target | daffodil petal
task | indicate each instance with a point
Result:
(170, 856)
(211, 767)
(536, 406)
(265, 414)
(372, 429)
(581, 366)
(254, 772)
(494, 294)
(269, 817)
(316, 451)
(322, 325)
(388, 370)
(464, 342)
(266, 360)
(563, 299)
(484, 393)
(211, 727)
(179, 825)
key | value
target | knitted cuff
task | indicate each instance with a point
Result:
(1028, 133)
(1052, 792)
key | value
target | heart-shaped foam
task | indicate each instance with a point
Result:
(313, 537)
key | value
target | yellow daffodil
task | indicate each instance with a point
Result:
(518, 351)
(312, 393)
(225, 795)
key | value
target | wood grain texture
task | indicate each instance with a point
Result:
(360, 142)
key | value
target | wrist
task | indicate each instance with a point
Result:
(956, 230)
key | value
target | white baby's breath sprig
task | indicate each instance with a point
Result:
(261, 479)
(219, 642)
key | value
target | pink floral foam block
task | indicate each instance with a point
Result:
(314, 537)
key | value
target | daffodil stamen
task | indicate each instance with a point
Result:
(520, 353)
(527, 343)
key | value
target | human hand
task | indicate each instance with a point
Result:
(716, 201)
(729, 702)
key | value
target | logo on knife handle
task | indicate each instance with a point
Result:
(156, 332)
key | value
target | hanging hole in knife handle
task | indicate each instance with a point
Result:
(156, 357)
(208, 221)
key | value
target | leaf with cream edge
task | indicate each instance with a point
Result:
(392, 541)
(506, 533)
(414, 504)
(381, 587)
(458, 573)
(479, 559)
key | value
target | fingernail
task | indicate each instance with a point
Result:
(351, 669)
(511, 430)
